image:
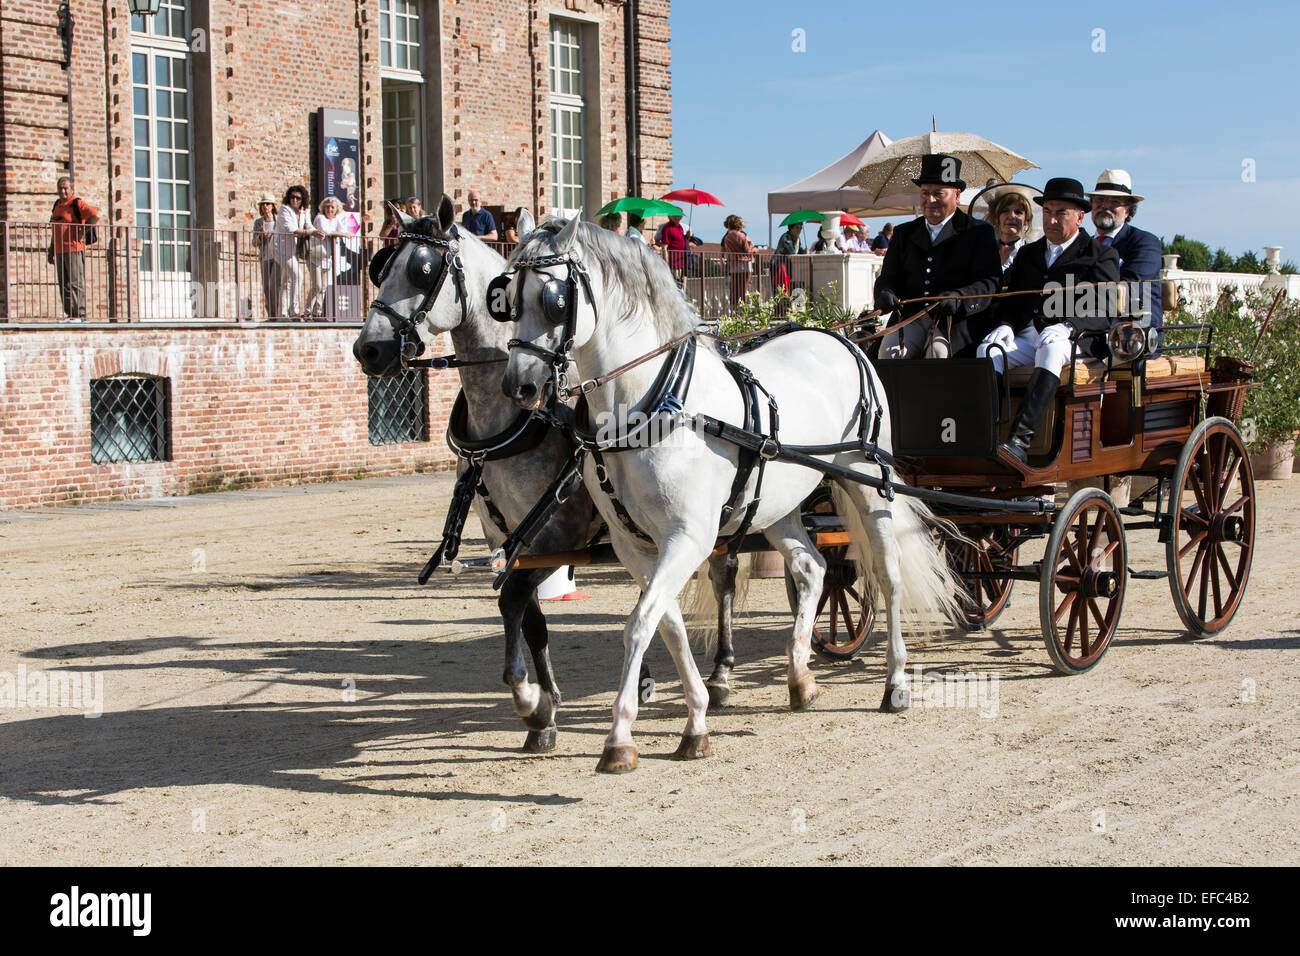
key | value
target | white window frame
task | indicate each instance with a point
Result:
(412, 13)
(567, 175)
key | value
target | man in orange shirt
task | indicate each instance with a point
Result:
(71, 215)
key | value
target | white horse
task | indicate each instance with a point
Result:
(581, 290)
(417, 300)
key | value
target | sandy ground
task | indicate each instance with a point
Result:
(277, 689)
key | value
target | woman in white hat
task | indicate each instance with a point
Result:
(263, 231)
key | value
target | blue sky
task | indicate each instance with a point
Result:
(1181, 97)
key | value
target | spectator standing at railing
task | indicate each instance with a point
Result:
(392, 225)
(332, 249)
(740, 255)
(67, 251)
(292, 231)
(634, 223)
(414, 208)
(478, 220)
(881, 242)
(264, 242)
(676, 240)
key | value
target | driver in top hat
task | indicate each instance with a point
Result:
(1038, 329)
(943, 253)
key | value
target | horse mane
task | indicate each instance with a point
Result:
(639, 279)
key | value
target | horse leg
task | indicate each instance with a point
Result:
(695, 739)
(660, 587)
(722, 574)
(517, 592)
(541, 723)
(875, 515)
(807, 568)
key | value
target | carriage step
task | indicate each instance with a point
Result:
(1147, 575)
(1135, 512)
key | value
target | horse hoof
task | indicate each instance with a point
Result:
(543, 716)
(620, 759)
(692, 747)
(718, 694)
(896, 699)
(804, 693)
(540, 741)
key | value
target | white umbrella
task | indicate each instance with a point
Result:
(891, 172)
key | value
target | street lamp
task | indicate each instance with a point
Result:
(144, 8)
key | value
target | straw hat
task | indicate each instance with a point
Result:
(1115, 182)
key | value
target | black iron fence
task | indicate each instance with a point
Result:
(159, 274)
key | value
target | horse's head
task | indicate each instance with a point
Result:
(411, 307)
(548, 292)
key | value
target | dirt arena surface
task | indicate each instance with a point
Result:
(276, 689)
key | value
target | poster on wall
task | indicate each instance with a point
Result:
(338, 164)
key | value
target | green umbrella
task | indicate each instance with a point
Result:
(644, 208)
(803, 215)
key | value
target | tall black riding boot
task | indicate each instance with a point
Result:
(1038, 398)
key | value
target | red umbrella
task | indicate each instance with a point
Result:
(848, 219)
(695, 197)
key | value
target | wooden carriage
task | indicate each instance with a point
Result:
(1168, 419)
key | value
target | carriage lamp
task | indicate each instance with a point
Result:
(144, 8)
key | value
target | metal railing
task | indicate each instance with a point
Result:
(160, 274)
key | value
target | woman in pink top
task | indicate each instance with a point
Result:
(740, 255)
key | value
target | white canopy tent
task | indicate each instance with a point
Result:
(824, 190)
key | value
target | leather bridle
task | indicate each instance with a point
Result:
(410, 344)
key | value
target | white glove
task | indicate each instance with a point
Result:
(1002, 335)
(1058, 334)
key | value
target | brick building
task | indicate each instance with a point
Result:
(172, 125)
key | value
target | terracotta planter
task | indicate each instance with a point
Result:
(766, 564)
(1275, 462)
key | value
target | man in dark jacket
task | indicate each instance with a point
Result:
(944, 253)
(1114, 205)
(1037, 329)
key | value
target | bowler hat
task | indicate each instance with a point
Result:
(1064, 189)
(939, 169)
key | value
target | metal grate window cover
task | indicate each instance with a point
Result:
(129, 419)
(399, 408)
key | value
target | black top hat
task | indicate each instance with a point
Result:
(939, 169)
(1064, 189)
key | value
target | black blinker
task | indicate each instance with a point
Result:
(498, 299)
(379, 265)
(555, 300)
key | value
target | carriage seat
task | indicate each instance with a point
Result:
(1091, 371)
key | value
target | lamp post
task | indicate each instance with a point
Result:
(144, 8)
(65, 35)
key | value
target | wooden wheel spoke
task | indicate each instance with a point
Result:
(1203, 545)
(1227, 570)
(1205, 580)
(1061, 608)
(1096, 616)
(1214, 575)
(1069, 631)
(1083, 628)
(1236, 505)
(1073, 558)
(1110, 549)
(1194, 515)
(1231, 474)
(1198, 489)
(1197, 539)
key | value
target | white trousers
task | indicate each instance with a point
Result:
(1048, 349)
(908, 341)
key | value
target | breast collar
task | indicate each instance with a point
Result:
(408, 337)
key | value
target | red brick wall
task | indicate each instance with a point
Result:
(249, 407)
(271, 64)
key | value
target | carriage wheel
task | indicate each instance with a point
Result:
(1212, 539)
(992, 549)
(1083, 579)
(846, 611)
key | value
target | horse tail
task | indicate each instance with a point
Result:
(701, 603)
(930, 590)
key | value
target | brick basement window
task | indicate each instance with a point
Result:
(130, 419)
(399, 408)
